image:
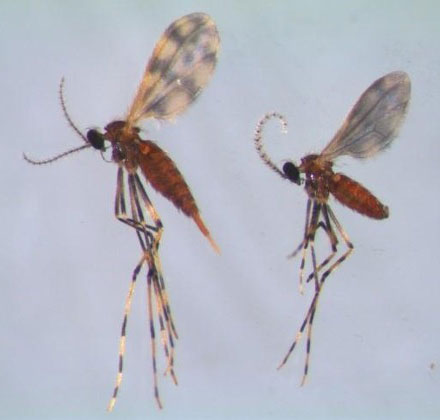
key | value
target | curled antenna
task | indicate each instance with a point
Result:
(258, 138)
(72, 125)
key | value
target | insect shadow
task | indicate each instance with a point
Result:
(369, 128)
(181, 65)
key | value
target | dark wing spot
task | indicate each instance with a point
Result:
(158, 65)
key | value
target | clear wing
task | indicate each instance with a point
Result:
(180, 67)
(374, 121)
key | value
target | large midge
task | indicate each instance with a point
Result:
(181, 65)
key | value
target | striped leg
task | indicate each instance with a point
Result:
(326, 225)
(159, 227)
(303, 246)
(167, 339)
(163, 313)
(122, 339)
(309, 235)
(298, 334)
(168, 330)
(309, 318)
(150, 276)
(312, 310)
(149, 239)
(314, 303)
(313, 226)
(347, 241)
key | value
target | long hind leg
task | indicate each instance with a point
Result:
(149, 238)
(308, 321)
(309, 236)
(304, 245)
(326, 225)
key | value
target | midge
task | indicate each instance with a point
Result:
(180, 67)
(369, 128)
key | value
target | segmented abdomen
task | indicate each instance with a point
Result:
(353, 195)
(163, 175)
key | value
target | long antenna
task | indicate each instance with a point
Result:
(53, 159)
(258, 138)
(66, 114)
(72, 125)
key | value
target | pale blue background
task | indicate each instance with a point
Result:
(66, 262)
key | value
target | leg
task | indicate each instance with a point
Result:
(168, 330)
(326, 225)
(149, 238)
(310, 240)
(309, 233)
(347, 241)
(303, 246)
(150, 276)
(155, 247)
(329, 218)
(122, 339)
(335, 265)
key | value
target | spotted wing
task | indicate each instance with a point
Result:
(180, 67)
(374, 121)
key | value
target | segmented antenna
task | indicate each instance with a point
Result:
(53, 159)
(66, 114)
(258, 138)
(72, 125)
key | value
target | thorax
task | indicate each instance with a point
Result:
(318, 174)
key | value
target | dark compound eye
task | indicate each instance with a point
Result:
(96, 139)
(292, 173)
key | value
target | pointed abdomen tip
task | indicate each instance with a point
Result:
(205, 231)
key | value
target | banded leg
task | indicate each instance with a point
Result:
(310, 241)
(137, 219)
(166, 326)
(298, 335)
(150, 276)
(314, 304)
(309, 318)
(333, 241)
(163, 312)
(165, 331)
(347, 241)
(169, 333)
(149, 238)
(326, 225)
(122, 340)
(155, 278)
(314, 274)
(310, 229)
(302, 246)
(306, 227)
(121, 214)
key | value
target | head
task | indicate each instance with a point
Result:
(291, 172)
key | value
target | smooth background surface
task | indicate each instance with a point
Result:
(66, 262)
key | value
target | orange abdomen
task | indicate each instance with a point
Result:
(163, 175)
(353, 195)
